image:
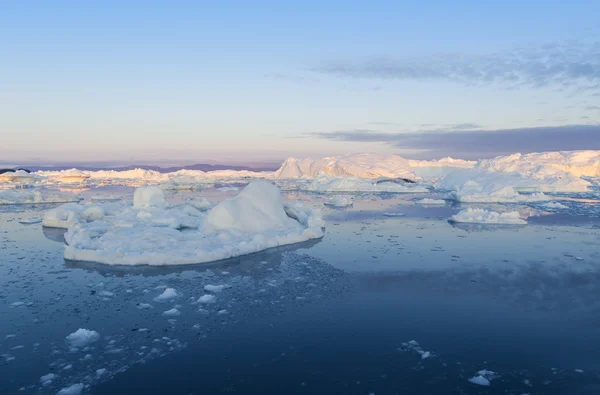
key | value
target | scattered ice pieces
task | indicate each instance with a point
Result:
(555, 205)
(144, 306)
(215, 288)
(413, 345)
(82, 338)
(167, 294)
(205, 299)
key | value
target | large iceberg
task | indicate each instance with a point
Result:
(354, 165)
(150, 234)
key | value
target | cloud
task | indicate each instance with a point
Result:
(592, 108)
(476, 144)
(569, 65)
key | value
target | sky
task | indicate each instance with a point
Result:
(241, 82)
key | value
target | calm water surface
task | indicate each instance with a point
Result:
(327, 317)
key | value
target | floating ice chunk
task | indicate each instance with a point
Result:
(47, 379)
(393, 214)
(432, 202)
(82, 338)
(353, 184)
(579, 370)
(17, 304)
(100, 372)
(106, 294)
(28, 196)
(222, 312)
(167, 294)
(216, 288)
(481, 216)
(228, 189)
(200, 203)
(147, 197)
(555, 205)
(74, 389)
(29, 221)
(143, 306)
(339, 201)
(480, 380)
(205, 299)
(107, 198)
(425, 355)
(172, 313)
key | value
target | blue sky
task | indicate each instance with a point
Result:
(234, 82)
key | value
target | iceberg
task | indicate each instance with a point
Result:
(339, 202)
(355, 184)
(354, 165)
(149, 233)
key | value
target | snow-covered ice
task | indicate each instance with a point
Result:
(431, 202)
(339, 202)
(82, 338)
(254, 220)
(481, 216)
(357, 165)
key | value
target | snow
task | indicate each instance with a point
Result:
(74, 389)
(357, 165)
(35, 196)
(206, 299)
(148, 197)
(481, 216)
(82, 338)
(167, 294)
(339, 201)
(428, 201)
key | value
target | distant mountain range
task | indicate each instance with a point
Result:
(200, 166)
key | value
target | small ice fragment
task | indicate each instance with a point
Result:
(82, 337)
(215, 288)
(47, 379)
(100, 372)
(172, 312)
(207, 299)
(74, 389)
(221, 312)
(480, 380)
(143, 306)
(167, 294)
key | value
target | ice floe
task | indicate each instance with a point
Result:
(355, 184)
(431, 202)
(74, 389)
(82, 338)
(481, 216)
(35, 196)
(339, 202)
(149, 232)
(483, 378)
(168, 294)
